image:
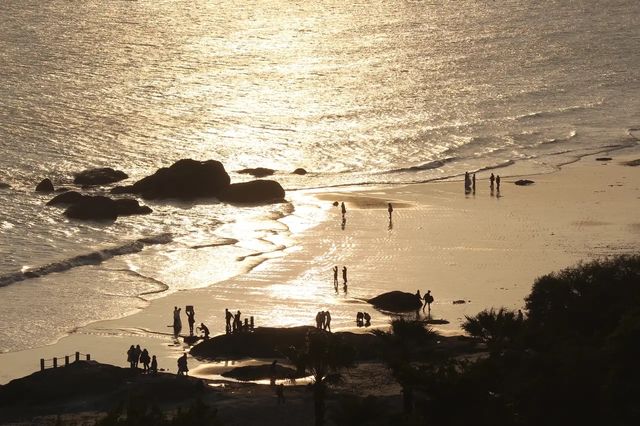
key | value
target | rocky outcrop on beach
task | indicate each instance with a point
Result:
(271, 342)
(68, 197)
(45, 185)
(99, 176)
(256, 191)
(257, 172)
(523, 182)
(103, 208)
(184, 180)
(299, 171)
(396, 301)
(261, 372)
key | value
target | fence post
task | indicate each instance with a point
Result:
(77, 356)
(66, 360)
(88, 357)
(41, 364)
(55, 362)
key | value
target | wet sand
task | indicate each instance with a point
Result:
(484, 249)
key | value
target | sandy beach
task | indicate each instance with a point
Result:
(481, 248)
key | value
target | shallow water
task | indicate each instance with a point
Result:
(354, 92)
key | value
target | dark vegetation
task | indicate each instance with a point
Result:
(571, 360)
(138, 412)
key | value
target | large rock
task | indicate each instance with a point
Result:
(257, 191)
(45, 186)
(185, 179)
(271, 342)
(93, 208)
(299, 171)
(396, 301)
(99, 176)
(69, 197)
(257, 172)
(261, 372)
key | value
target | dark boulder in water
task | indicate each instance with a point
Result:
(185, 180)
(99, 176)
(261, 372)
(45, 186)
(523, 182)
(396, 301)
(93, 208)
(257, 172)
(129, 206)
(254, 192)
(69, 197)
(299, 171)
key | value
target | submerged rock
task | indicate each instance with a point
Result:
(257, 172)
(99, 176)
(523, 182)
(299, 171)
(45, 185)
(396, 301)
(185, 180)
(257, 191)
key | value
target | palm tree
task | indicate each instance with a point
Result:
(323, 353)
(495, 328)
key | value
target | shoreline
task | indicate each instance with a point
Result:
(303, 266)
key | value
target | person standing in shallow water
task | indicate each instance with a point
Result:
(343, 208)
(335, 277)
(473, 183)
(428, 300)
(390, 210)
(498, 183)
(492, 178)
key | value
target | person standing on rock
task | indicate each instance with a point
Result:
(228, 317)
(327, 321)
(204, 329)
(154, 365)
(191, 319)
(428, 300)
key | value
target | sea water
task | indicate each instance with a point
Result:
(355, 92)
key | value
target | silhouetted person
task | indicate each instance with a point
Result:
(492, 178)
(136, 355)
(191, 319)
(131, 353)
(145, 360)
(467, 182)
(335, 277)
(344, 275)
(419, 296)
(280, 393)
(182, 365)
(390, 210)
(343, 208)
(367, 319)
(473, 182)
(237, 322)
(272, 373)
(204, 329)
(228, 316)
(319, 319)
(327, 321)
(154, 365)
(498, 183)
(520, 317)
(177, 322)
(343, 224)
(428, 300)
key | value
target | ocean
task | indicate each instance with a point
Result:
(358, 93)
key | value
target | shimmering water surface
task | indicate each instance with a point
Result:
(355, 92)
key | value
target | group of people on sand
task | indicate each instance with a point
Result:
(470, 183)
(344, 278)
(427, 299)
(191, 320)
(136, 356)
(234, 324)
(323, 320)
(363, 319)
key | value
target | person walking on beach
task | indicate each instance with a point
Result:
(154, 365)
(390, 210)
(473, 183)
(498, 183)
(343, 208)
(491, 180)
(191, 319)
(183, 369)
(344, 275)
(335, 277)
(428, 300)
